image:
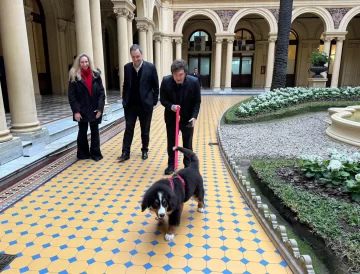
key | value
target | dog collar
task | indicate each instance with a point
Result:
(172, 183)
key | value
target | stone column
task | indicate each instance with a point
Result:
(270, 63)
(130, 30)
(4, 132)
(218, 64)
(97, 41)
(229, 56)
(150, 50)
(157, 55)
(166, 56)
(121, 15)
(16, 53)
(337, 62)
(29, 20)
(178, 43)
(83, 28)
(327, 47)
(142, 38)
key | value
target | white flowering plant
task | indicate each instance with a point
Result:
(286, 97)
(340, 170)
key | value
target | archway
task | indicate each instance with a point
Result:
(308, 25)
(249, 57)
(199, 55)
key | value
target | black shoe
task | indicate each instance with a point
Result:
(169, 170)
(123, 157)
(97, 159)
(144, 155)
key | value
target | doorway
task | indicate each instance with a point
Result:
(242, 68)
(203, 63)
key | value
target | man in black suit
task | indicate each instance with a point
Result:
(140, 95)
(197, 75)
(180, 90)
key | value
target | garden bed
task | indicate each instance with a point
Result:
(329, 221)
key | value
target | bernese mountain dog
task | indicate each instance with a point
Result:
(167, 196)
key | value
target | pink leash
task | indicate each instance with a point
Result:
(176, 164)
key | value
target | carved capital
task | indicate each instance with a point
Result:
(142, 27)
(178, 41)
(328, 39)
(131, 16)
(219, 40)
(340, 39)
(272, 39)
(121, 12)
(230, 40)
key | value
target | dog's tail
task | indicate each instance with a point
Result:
(194, 161)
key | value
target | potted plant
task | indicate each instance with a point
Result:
(318, 60)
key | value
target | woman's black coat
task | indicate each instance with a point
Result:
(81, 101)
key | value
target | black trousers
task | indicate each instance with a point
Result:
(131, 114)
(187, 138)
(82, 142)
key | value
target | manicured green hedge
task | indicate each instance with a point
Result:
(336, 222)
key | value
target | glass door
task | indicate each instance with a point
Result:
(203, 63)
(241, 71)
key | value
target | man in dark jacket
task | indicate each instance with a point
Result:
(197, 75)
(180, 90)
(140, 95)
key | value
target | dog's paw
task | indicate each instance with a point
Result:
(174, 148)
(201, 209)
(169, 237)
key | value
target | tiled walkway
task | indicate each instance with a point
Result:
(88, 218)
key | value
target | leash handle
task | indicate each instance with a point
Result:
(176, 164)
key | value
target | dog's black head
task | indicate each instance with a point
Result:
(160, 199)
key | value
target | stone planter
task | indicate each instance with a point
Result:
(317, 69)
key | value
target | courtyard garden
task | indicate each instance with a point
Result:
(311, 180)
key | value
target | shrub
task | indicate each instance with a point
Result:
(282, 98)
(339, 171)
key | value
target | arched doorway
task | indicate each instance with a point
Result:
(199, 55)
(242, 62)
(41, 46)
(292, 58)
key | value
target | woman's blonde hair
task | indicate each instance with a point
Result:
(75, 71)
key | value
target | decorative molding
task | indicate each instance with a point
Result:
(178, 41)
(337, 15)
(225, 17)
(272, 39)
(121, 12)
(219, 40)
(230, 40)
(131, 16)
(328, 39)
(276, 13)
(340, 39)
(177, 15)
(61, 25)
(288, 248)
(142, 27)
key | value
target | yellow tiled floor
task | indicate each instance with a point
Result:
(87, 219)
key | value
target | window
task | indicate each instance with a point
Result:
(200, 41)
(244, 40)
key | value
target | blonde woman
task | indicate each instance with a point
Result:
(87, 100)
